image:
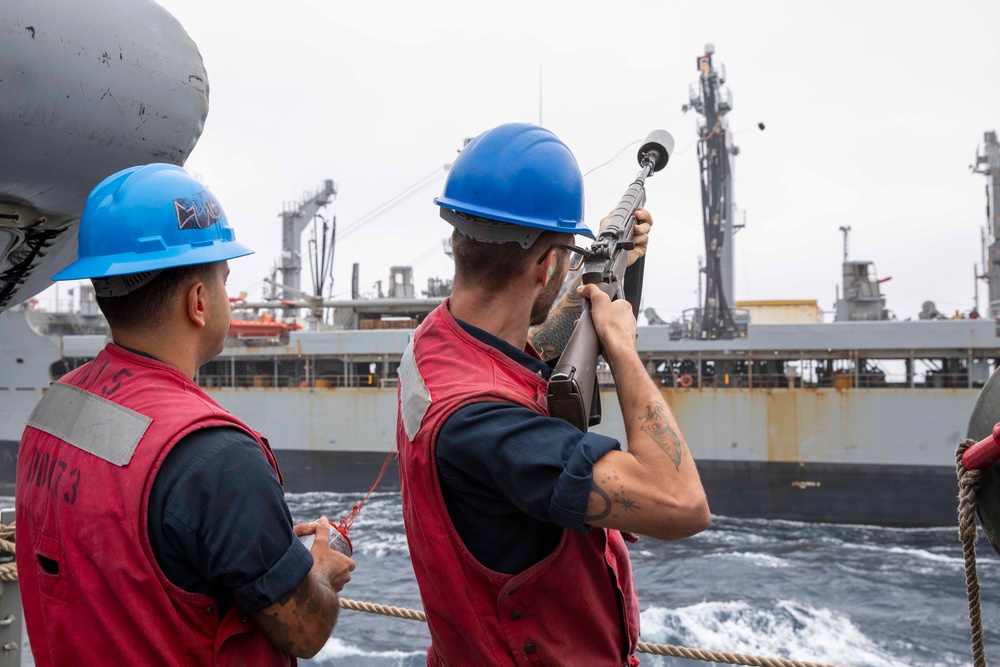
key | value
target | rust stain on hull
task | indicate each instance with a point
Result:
(783, 426)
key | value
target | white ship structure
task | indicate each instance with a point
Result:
(804, 425)
(795, 419)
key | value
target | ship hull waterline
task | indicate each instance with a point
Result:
(874, 456)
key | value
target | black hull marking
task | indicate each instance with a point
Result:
(824, 492)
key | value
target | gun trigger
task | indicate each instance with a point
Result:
(627, 245)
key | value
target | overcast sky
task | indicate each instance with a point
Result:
(873, 111)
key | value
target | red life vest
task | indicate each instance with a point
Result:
(92, 591)
(575, 607)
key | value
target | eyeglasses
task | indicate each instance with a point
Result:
(577, 255)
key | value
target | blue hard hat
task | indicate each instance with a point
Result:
(148, 218)
(520, 174)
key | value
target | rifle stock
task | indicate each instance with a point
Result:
(573, 393)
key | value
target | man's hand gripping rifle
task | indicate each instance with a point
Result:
(573, 393)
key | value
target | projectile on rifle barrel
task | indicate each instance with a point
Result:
(658, 147)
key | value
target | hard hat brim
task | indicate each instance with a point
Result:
(135, 262)
(570, 226)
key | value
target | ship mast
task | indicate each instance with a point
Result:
(715, 152)
(988, 164)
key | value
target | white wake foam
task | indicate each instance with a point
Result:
(759, 559)
(790, 630)
(335, 650)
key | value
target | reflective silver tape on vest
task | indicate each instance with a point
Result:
(414, 397)
(89, 422)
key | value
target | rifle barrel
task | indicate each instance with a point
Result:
(572, 392)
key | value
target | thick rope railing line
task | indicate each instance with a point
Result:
(7, 537)
(968, 485)
(641, 647)
(383, 609)
(8, 570)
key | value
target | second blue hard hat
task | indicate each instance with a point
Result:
(147, 218)
(519, 174)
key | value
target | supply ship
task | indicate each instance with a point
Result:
(789, 417)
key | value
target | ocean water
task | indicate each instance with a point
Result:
(860, 596)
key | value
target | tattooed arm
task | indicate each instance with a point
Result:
(550, 337)
(653, 488)
(300, 623)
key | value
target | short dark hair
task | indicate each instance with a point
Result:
(493, 266)
(150, 304)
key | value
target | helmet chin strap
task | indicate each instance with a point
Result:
(122, 285)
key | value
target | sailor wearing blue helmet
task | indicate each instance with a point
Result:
(161, 534)
(522, 512)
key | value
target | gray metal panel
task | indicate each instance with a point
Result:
(863, 426)
(916, 427)
(15, 406)
(346, 420)
(331, 343)
(25, 355)
(375, 341)
(85, 347)
(87, 90)
(884, 336)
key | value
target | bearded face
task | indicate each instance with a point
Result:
(540, 309)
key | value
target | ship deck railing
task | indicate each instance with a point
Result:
(269, 381)
(937, 380)
(844, 380)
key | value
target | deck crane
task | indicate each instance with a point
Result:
(294, 219)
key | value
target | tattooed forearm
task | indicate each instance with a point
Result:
(599, 506)
(301, 621)
(278, 632)
(550, 337)
(655, 424)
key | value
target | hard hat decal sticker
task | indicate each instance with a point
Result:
(198, 212)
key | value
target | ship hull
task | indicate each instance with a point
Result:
(879, 456)
(857, 455)
(893, 495)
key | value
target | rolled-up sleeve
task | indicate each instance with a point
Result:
(282, 578)
(572, 489)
